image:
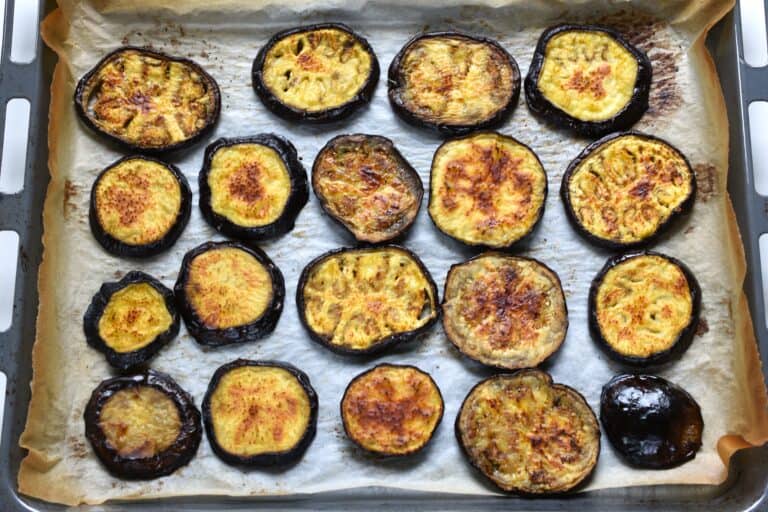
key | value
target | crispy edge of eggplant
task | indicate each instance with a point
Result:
(269, 459)
(163, 463)
(403, 165)
(298, 197)
(684, 339)
(120, 248)
(125, 361)
(328, 115)
(395, 83)
(565, 194)
(614, 437)
(210, 121)
(383, 453)
(251, 331)
(624, 119)
(385, 343)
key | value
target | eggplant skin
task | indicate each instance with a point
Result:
(271, 459)
(210, 119)
(252, 331)
(163, 463)
(126, 250)
(623, 120)
(277, 107)
(678, 346)
(651, 422)
(297, 198)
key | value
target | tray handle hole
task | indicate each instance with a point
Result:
(758, 139)
(25, 31)
(14, 151)
(9, 263)
(753, 35)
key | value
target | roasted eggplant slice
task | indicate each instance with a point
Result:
(147, 101)
(362, 301)
(588, 79)
(528, 435)
(651, 422)
(142, 426)
(139, 207)
(392, 410)
(229, 293)
(365, 184)
(131, 320)
(625, 189)
(260, 413)
(486, 189)
(318, 73)
(453, 83)
(644, 308)
(504, 311)
(252, 187)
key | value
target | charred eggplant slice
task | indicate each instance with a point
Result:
(260, 413)
(453, 83)
(651, 422)
(365, 184)
(588, 79)
(318, 73)
(131, 320)
(644, 308)
(392, 410)
(229, 293)
(504, 311)
(486, 189)
(252, 187)
(139, 206)
(142, 426)
(528, 435)
(625, 189)
(148, 101)
(362, 301)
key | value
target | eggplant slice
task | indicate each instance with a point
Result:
(588, 79)
(364, 183)
(528, 435)
(131, 320)
(229, 293)
(504, 311)
(486, 189)
(453, 83)
(142, 426)
(260, 413)
(362, 301)
(392, 410)
(651, 422)
(644, 308)
(252, 187)
(148, 101)
(318, 73)
(625, 189)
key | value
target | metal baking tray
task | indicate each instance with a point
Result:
(745, 489)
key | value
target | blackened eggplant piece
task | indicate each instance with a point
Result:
(588, 79)
(651, 422)
(252, 188)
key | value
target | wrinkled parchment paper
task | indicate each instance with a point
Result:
(721, 369)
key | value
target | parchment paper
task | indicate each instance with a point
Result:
(721, 369)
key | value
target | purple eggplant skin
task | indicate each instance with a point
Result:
(290, 113)
(124, 250)
(395, 83)
(272, 459)
(683, 341)
(651, 422)
(253, 331)
(128, 361)
(211, 120)
(296, 200)
(623, 120)
(161, 464)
